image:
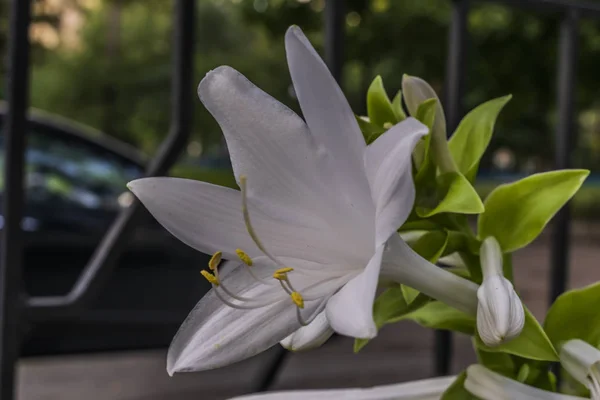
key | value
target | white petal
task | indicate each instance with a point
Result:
(581, 359)
(308, 337)
(215, 335)
(388, 164)
(269, 143)
(500, 314)
(350, 311)
(209, 218)
(426, 389)
(453, 260)
(415, 91)
(488, 385)
(403, 265)
(330, 120)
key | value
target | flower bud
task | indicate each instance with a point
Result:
(500, 314)
(582, 361)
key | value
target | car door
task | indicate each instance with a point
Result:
(75, 188)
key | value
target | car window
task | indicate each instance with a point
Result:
(66, 169)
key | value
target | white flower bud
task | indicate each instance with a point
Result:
(500, 314)
(582, 361)
(489, 385)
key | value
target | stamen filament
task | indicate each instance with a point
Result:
(257, 278)
(249, 227)
(287, 290)
(229, 292)
(314, 315)
(244, 306)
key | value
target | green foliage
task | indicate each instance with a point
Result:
(516, 213)
(370, 131)
(574, 315)
(416, 91)
(379, 106)
(532, 343)
(397, 107)
(502, 363)
(431, 245)
(473, 135)
(452, 194)
(214, 176)
(390, 306)
(457, 391)
(437, 315)
(421, 157)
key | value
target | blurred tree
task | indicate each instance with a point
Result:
(117, 77)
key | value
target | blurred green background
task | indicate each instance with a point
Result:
(106, 63)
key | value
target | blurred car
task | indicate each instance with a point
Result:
(75, 187)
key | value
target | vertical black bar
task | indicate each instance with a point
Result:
(565, 137)
(280, 355)
(106, 255)
(183, 88)
(456, 64)
(453, 95)
(11, 248)
(334, 37)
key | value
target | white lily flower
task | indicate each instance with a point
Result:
(582, 361)
(426, 389)
(500, 314)
(310, 336)
(310, 224)
(489, 385)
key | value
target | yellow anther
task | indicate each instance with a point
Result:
(297, 299)
(281, 273)
(210, 277)
(215, 260)
(280, 277)
(284, 270)
(244, 257)
(387, 125)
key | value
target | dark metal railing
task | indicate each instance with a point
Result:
(565, 132)
(16, 308)
(11, 248)
(100, 266)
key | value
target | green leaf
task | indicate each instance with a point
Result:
(397, 107)
(502, 363)
(516, 213)
(452, 194)
(473, 265)
(369, 130)
(416, 91)
(426, 114)
(532, 343)
(391, 304)
(379, 107)
(457, 391)
(438, 315)
(574, 315)
(523, 373)
(471, 138)
(431, 245)
(419, 225)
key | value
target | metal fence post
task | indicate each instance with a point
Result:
(565, 137)
(334, 37)
(453, 95)
(12, 210)
(103, 261)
